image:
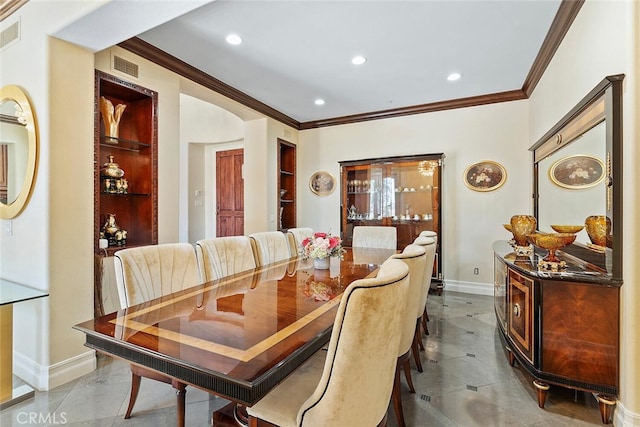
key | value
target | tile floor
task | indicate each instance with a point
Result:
(467, 381)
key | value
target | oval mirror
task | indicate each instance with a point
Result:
(18, 150)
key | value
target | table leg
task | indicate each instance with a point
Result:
(6, 353)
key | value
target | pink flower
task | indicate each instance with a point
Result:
(306, 241)
(320, 235)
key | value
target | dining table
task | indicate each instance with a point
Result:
(239, 336)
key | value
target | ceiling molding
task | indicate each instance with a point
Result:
(565, 16)
(170, 62)
(567, 12)
(7, 7)
(472, 101)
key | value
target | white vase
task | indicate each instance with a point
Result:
(321, 263)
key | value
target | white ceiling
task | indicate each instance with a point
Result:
(296, 51)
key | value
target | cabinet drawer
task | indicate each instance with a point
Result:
(520, 312)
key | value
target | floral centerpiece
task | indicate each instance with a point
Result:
(320, 248)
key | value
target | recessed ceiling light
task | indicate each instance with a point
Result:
(453, 77)
(234, 39)
(319, 101)
(358, 60)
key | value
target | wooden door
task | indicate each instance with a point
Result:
(229, 193)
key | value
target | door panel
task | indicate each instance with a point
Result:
(229, 193)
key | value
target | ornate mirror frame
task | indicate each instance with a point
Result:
(27, 117)
(602, 105)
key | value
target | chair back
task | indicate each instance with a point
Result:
(224, 256)
(269, 246)
(374, 237)
(429, 245)
(296, 236)
(359, 369)
(415, 257)
(149, 272)
(429, 233)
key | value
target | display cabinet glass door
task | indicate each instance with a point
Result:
(403, 192)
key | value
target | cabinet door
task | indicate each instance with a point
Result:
(580, 332)
(500, 292)
(520, 323)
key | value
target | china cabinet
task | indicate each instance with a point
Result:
(286, 184)
(125, 175)
(561, 320)
(402, 192)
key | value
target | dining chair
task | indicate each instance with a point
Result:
(296, 236)
(425, 315)
(429, 245)
(223, 256)
(374, 236)
(149, 272)
(415, 257)
(350, 384)
(269, 246)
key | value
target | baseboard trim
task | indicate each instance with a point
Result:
(45, 378)
(476, 288)
(622, 417)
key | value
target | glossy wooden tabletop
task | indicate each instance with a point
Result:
(238, 336)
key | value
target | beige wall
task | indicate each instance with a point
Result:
(471, 220)
(604, 40)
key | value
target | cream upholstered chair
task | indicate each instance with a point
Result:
(425, 316)
(352, 385)
(415, 257)
(429, 245)
(149, 272)
(269, 246)
(224, 256)
(296, 236)
(374, 237)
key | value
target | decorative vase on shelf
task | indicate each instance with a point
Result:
(321, 263)
(111, 116)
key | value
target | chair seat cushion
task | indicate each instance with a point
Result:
(281, 405)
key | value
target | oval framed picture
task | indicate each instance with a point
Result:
(576, 172)
(322, 183)
(486, 175)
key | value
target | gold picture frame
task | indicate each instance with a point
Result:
(322, 183)
(485, 175)
(577, 172)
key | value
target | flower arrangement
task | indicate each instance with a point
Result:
(321, 245)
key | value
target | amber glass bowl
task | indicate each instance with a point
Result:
(567, 228)
(551, 242)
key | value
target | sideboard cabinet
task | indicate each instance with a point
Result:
(561, 326)
(402, 192)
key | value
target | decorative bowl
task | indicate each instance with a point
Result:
(551, 242)
(598, 228)
(521, 226)
(567, 228)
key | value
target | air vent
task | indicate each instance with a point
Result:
(125, 66)
(10, 34)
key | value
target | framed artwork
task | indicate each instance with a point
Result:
(486, 175)
(575, 172)
(322, 183)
